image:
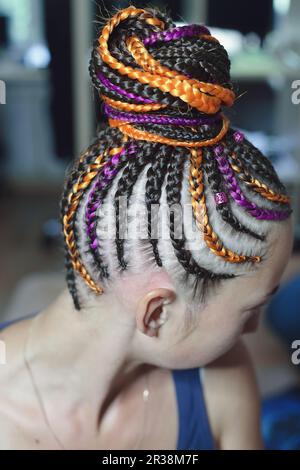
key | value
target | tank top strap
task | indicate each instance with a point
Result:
(194, 429)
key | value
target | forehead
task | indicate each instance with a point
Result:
(259, 282)
(278, 254)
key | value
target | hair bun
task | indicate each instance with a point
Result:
(142, 62)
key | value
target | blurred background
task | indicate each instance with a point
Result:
(49, 113)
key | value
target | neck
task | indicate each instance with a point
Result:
(82, 359)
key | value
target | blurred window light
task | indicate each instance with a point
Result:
(281, 7)
(19, 13)
(37, 56)
(232, 40)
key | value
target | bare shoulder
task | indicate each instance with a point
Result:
(12, 339)
(233, 400)
(13, 386)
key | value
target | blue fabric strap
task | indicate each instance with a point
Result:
(194, 429)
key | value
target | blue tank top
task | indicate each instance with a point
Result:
(194, 431)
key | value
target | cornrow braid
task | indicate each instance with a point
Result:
(237, 194)
(216, 182)
(173, 193)
(124, 189)
(255, 183)
(71, 177)
(253, 159)
(97, 196)
(201, 215)
(82, 183)
(155, 178)
(75, 195)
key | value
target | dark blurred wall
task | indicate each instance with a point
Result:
(58, 36)
(173, 7)
(3, 31)
(251, 16)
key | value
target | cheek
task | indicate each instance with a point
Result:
(217, 341)
(212, 338)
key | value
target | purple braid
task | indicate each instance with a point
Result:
(237, 193)
(122, 92)
(176, 33)
(110, 169)
(151, 118)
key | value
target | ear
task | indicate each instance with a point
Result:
(151, 314)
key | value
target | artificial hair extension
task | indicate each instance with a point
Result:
(255, 183)
(70, 180)
(137, 134)
(155, 178)
(163, 88)
(77, 191)
(252, 159)
(173, 192)
(214, 178)
(201, 215)
(118, 158)
(124, 190)
(206, 97)
(237, 194)
(132, 106)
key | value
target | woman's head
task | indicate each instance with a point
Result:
(169, 205)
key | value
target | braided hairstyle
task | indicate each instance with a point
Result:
(167, 142)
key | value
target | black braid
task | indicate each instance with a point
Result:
(100, 194)
(216, 183)
(205, 60)
(95, 149)
(125, 187)
(70, 180)
(155, 179)
(173, 191)
(254, 161)
(182, 133)
(146, 91)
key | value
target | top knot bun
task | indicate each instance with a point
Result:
(142, 57)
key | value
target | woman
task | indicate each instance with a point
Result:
(143, 350)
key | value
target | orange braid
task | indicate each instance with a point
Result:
(256, 184)
(137, 134)
(138, 108)
(149, 64)
(198, 202)
(206, 97)
(83, 182)
(209, 38)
